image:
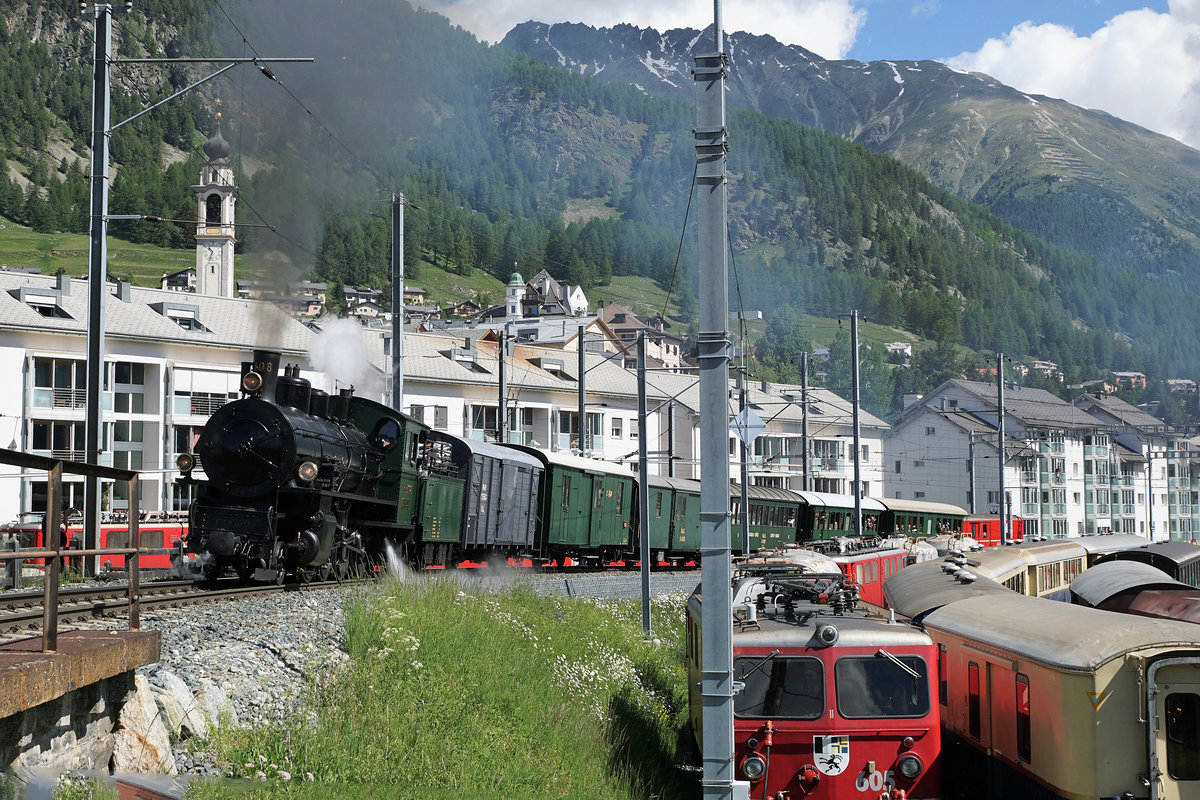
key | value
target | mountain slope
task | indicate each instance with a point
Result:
(1037, 161)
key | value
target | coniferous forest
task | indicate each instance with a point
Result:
(506, 160)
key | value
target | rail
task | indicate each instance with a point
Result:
(54, 469)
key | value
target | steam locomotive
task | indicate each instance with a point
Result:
(306, 484)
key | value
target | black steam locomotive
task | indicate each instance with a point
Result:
(299, 481)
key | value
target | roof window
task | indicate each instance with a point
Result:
(47, 302)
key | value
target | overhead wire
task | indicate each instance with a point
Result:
(682, 233)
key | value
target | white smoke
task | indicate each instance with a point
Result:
(340, 352)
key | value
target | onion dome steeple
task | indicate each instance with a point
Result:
(216, 148)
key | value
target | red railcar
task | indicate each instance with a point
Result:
(835, 702)
(158, 531)
(986, 530)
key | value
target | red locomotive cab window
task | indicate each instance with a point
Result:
(974, 725)
(882, 686)
(1024, 728)
(779, 688)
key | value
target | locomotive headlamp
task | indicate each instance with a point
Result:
(754, 767)
(252, 382)
(909, 766)
(307, 472)
(186, 462)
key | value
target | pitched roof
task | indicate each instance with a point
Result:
(1118, 409)
(230, 321)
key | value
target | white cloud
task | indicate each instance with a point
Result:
(1140, 66)
(827, 27)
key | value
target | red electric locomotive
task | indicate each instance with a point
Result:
(832, 701)
(159, 530)
(986, 530)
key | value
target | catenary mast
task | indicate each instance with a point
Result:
(716, 654)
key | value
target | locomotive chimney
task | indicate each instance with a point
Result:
(266, 365)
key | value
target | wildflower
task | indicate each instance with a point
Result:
(308, 776)
(287, 776)
(262, 776)
(262, 759)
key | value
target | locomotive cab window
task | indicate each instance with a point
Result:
(386, 434)
(876, 686)
(779, 688)
(1183, 736)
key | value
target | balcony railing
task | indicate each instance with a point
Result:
(1029, 477)
(1095, 480)
(45, 397)
(1030, 509)
(829, 464)
(1095, 451)
(1058, 509)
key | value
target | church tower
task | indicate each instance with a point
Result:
(514, 293)
(215, 199)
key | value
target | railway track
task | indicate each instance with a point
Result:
(23, 610)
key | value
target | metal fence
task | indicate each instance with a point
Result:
(50, 552)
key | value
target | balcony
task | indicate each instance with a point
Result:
(1095, 480)
(65, 455)
(1030, 510)
(1029, 477)
(1096, 510)
(829, 464)
(1058, 509)
(1122, 480)
(1052, 447)
(1178, 455)
(1095, 451)
(59, 398)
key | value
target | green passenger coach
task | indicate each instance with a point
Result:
(585, 505)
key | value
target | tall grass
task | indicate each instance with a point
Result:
(457, 692)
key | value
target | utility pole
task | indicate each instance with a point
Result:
(97, 277)
(398, 302)
(804, 417)
(716, 572)
(857, 429)
(971, 465)
(671, 439)
(502, 406)
(582, 400)
(102, 129)
(1000, 445)
(644, 483)
(744, 463)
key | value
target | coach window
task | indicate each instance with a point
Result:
(878, 686)
(973, 715)
(658, 506)
(777, 687)
(1183, 736)
(942, 688)
(1024, 732)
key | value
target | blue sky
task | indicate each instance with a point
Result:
(1136, 60)
(939, 29)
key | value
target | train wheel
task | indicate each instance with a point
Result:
(324, 572)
